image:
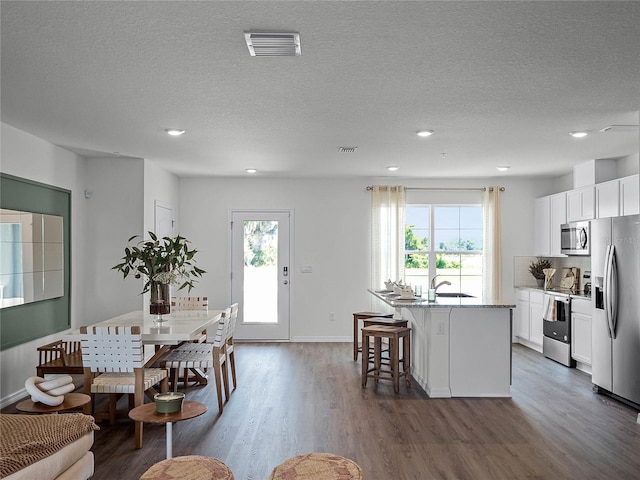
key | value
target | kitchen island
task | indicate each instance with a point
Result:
(461, 347)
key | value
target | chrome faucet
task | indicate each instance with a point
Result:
(434, 286)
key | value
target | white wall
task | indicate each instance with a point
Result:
(331, 234)
(26, 156)
(114, 213)
(121, 202)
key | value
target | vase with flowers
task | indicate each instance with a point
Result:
(537, 268)
(161, 262)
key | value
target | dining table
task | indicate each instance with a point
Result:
(163, 332)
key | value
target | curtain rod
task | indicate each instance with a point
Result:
(481, 189)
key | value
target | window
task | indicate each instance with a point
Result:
(444, 240)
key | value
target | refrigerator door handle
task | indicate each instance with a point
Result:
(613, 291)
(605, 289)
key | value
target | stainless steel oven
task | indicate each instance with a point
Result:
(556, 343)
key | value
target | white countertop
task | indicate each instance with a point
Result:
(441, 302)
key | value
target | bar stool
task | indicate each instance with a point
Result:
(393, 334)
(357, 316)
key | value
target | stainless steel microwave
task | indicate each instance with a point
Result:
(574, 238)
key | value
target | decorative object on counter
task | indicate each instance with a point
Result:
(49, 391)
(569, 278)
(548, 277)
(406, 293)
(418, 290)
(161, 263)
(431, 294)
(536, 268)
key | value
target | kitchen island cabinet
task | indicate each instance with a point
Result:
(461, 347)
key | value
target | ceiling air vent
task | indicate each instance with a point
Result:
(273, 44)
(347, 149)
(620, 128)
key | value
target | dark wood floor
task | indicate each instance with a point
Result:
(304, 397)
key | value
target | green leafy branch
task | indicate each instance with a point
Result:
(160, 260)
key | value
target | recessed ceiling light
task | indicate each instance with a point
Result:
(503, 168)
(392, 168)
(174, 132)
(424, 133)
(578, 134)
(251, 170)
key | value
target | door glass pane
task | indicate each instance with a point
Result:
(260, 271)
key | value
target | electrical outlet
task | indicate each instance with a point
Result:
(440, 328)
(332, 316)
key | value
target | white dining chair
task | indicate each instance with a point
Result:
(113, 361)
(207, 356)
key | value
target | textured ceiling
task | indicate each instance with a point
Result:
(501, 83)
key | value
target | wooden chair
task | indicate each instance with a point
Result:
(205, 356)
(191, 303)
(230, 353)
(59, 357)
(393, 334)
(113, 359)
(357, 316)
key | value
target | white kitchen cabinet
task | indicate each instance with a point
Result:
(581, 330)
(521, 315)
(535, 317)
(630, 195)
(549, 213)
(581, 204)
(608, 199)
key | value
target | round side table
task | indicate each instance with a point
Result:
(71, 401)
(147, 413)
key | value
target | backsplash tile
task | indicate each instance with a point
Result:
(522, 277)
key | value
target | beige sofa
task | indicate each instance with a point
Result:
(46, 447)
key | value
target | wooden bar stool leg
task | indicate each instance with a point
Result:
(395, 364)
(355, 337)
(407, 358)
(377, 357)
(365, 361)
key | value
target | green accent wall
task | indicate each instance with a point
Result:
(23, 323)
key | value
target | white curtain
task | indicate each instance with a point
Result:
(492, 255)
(387, 234)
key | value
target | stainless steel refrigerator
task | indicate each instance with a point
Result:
(615, 270)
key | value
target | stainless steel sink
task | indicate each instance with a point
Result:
(454, 294)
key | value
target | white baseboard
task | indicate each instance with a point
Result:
(13, 398)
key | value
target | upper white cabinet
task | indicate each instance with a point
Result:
(608, 199)
(558, 217)
(581, 204)
(618, 197)
(630, 195)
(549, 213)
